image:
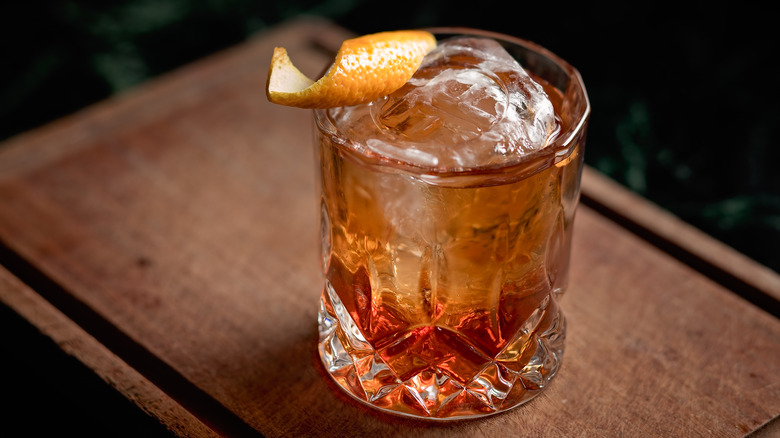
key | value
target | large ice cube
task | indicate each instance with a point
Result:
(469, 105)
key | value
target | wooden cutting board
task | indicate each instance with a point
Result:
(167, 238)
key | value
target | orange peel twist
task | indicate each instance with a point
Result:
(365, 68)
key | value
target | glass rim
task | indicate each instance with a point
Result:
(559, 149)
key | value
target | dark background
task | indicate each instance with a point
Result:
(684, 102)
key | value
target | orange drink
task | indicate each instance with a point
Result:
(446, 220)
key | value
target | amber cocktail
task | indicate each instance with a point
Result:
(446, 219)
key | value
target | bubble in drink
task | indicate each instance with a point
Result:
(446, 230)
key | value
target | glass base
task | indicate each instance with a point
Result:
(433, 390)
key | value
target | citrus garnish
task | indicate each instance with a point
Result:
(365, 68)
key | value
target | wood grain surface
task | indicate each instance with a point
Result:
(177, 228)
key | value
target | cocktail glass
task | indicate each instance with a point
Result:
(442, 286)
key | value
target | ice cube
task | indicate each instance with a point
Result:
(454, 106)
(469, 105)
